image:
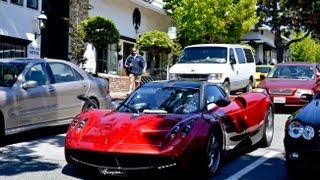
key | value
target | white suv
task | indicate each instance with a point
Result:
(230, 65)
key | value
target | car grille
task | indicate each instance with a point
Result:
(131, 161)
(280, 91)
(193, 77)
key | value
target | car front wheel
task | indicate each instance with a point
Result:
(268, 130)
(213, 153)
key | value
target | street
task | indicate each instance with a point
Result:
(40, 155)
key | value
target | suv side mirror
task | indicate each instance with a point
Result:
(232, 59)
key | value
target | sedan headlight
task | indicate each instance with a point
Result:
(173, 76)
(215, 76)
(296, 130)
(299, 92)
(261, 90)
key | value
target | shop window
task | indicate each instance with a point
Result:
(33, 4)
(11, 50)
(17, 2)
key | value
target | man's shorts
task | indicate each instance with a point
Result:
(135, 78)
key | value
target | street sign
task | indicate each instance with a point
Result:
(172, 32)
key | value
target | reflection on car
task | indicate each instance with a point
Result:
(287, 81)
(43, 92)
(169, 125)
(301, 141)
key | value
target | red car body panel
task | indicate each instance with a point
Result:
(122, 133)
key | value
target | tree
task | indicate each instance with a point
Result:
(79, 11)
(99, 31)
(285, 17)
(307, 49)
(212, 21)
(155, 42)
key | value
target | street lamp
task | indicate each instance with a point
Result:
(42, 23)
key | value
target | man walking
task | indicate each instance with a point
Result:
(135, 64)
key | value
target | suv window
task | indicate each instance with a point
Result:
(240, 55)
(249, 55)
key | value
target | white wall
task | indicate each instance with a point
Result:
(20, 22)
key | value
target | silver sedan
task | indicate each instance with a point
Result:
(37, 93)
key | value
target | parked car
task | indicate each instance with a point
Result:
(43, 92)
(232, 66)
(301, 140)
(162, 125)
(286, 82)
(263, 69)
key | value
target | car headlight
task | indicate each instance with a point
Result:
(261, 90)
(82, 124)
(173, 76)
(215, 76)
(296, 130)
(182, 130)
(299, 92)
(308, 132)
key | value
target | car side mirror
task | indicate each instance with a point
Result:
(223, 102)
(232, 59)
(262, 76)
(306, 97)
(29, 84)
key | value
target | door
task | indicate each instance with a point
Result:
(234, 72)
(67, 84)
(243, 79)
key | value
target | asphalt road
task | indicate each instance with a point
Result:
(40, 155)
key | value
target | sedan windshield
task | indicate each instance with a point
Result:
(292, 72)
(204, 55)
(177, 100)
(9, 73)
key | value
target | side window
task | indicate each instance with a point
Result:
(240, 55)
(62, 72)
(37, 73)
(231, 55)
(213, 93)
(250, 58)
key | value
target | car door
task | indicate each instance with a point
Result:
(67, 84)
(242, 79)
(234, 72)
(31, 105)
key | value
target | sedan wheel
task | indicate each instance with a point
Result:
(213, 154)
(90, 104)
(268, 131)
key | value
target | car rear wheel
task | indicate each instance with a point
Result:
(213, 153)
(90, 104)
(268, 130)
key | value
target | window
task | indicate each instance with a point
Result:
(37, 73)
(11, 50)
(249, 56)
(17, 2)
(33, 4)
(62, 73)
(240, 55)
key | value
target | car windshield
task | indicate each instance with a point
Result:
(292, 72)
(204, 55)
(9, 73)
(177, 100)
(263, 69)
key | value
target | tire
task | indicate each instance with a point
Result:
(268, 131)
(226, 87)
(90, 104)
(213, 154)
(248, 88)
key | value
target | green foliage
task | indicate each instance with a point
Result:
(212, 21)
(99, 31)
(307, 50)
(155, 41)
(79, 10)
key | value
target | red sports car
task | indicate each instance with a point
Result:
(164, 125)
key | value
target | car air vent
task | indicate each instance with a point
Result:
(194, 77)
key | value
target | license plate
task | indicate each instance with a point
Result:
(112, 172)
(280, 100)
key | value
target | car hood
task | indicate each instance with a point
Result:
(309, 114)
(286, 83)
(118, 128)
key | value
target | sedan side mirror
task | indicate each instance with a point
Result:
(29, 84)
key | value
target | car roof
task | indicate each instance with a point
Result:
(296, 63)
(32, 60)
(177, 83)
(218, 45)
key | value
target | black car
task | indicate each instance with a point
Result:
(302, 136)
